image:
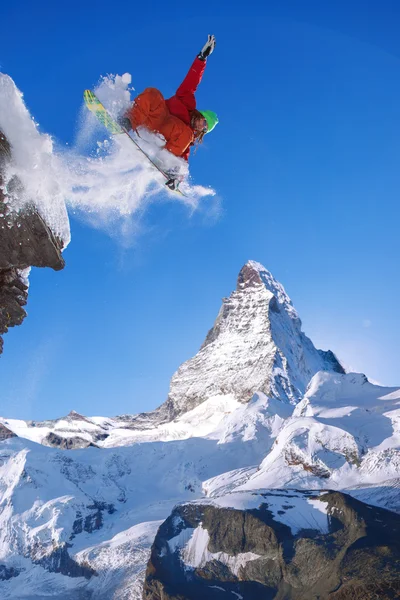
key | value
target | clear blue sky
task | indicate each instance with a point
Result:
(306, 161)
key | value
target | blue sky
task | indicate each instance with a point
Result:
(306, 163)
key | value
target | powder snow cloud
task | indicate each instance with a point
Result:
(106, 181)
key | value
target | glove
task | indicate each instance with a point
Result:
(207, 48)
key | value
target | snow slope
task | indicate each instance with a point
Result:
(345, 432)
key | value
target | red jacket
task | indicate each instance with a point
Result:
(184, 100)
(170, 117)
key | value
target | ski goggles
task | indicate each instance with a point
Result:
(205, 126)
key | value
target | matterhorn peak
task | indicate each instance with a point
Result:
(254, 273)
(255, 345)
(249, 275)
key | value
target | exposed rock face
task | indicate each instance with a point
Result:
(92, 521)
(256, 344)
(7, 573)
(292, 546)
(66, 443)
(67, 429)
(25, 241)
(59, 561)
(5, 433)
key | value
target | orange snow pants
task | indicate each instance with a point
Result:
(149, 110)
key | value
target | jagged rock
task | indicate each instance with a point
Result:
(7, 573)
(13, 296)
(94, 520)
(25, 241)
(59, 561)
(6, 433)
(66, 443)
(293, 546)
(319, 469)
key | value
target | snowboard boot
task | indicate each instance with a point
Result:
(174, 179)
(172, 184)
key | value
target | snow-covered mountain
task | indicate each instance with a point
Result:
(258, 407)
(345, 432)
(255, 345)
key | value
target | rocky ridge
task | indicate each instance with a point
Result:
(276, 545)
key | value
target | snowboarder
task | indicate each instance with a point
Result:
(177, 118)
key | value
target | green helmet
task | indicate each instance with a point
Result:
(211, 119)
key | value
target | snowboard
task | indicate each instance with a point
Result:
(96, 107)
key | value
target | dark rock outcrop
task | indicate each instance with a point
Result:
(66, 443)
(71, 432)
(6, 433)
(25, 241)
(254, 555)
(7, 573)
(59, 561)
(92, 521)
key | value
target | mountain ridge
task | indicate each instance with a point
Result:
(255, 345)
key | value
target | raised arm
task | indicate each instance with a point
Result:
(189, 85)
